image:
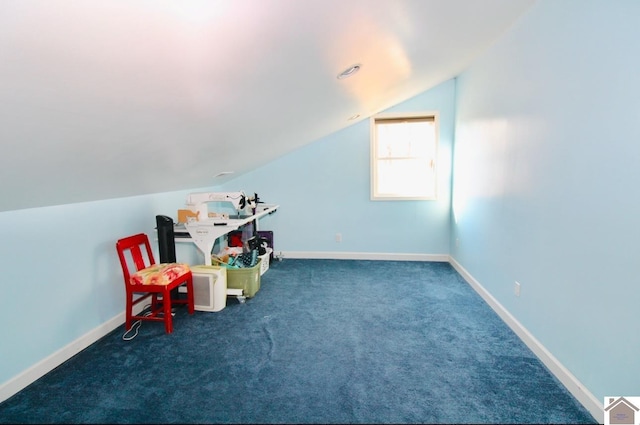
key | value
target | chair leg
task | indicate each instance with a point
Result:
(190, 299)
(129, 312)
(154, 304)
(168, 322)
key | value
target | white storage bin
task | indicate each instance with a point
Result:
(264, 263)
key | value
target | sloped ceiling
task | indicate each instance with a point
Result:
(113, 98)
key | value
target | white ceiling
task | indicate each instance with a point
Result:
(112, 98)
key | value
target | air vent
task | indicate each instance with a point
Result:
(349, 71)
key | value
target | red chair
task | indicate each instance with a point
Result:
(143, 276)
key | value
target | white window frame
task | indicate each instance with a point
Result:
(375, 156)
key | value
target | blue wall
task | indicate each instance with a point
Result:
(323, 189)
(545, 181)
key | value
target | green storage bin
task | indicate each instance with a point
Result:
(247, 279)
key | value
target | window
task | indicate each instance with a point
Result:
(403, 156)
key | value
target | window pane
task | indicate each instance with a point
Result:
(405, 139)
(405, 178)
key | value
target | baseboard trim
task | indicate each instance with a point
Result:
(575, 387)
(326, 255)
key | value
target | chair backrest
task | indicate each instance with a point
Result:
(131, 252)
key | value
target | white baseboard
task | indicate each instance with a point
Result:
(575, 387)
(325, 255)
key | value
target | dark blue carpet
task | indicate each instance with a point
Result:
(323, 341)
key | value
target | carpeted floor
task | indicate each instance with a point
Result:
(323, 341)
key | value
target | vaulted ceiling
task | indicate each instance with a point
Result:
(112, 98)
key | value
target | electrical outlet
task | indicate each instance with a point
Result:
(338, 237)
(516, 289)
